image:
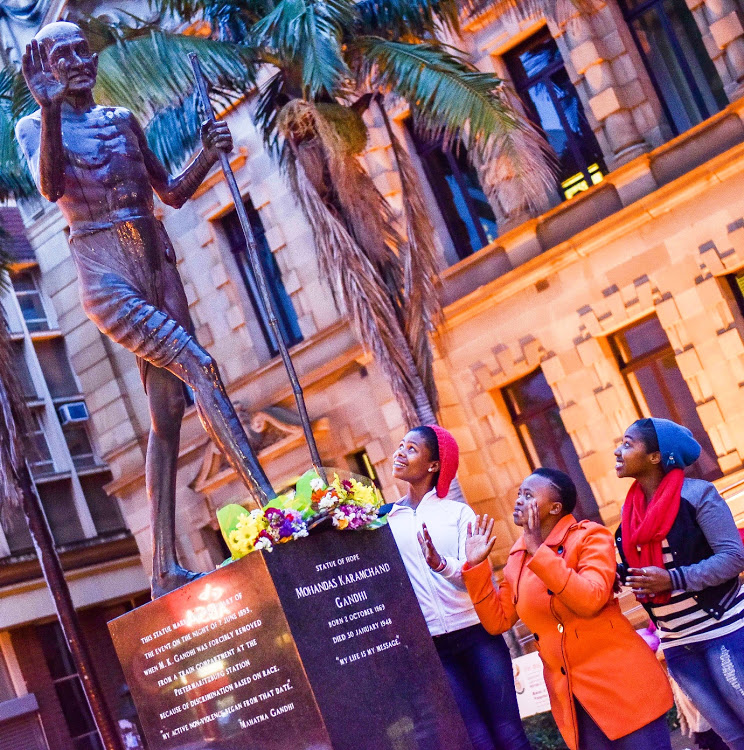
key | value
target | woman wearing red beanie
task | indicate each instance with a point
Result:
(430, 531)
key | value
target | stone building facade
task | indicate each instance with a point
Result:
(623, 299)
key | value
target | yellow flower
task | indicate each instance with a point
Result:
(242, 538)
(364, 494)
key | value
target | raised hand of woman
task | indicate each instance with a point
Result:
(433, 559)
(479, 542)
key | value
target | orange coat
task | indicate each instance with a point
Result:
(588, 648)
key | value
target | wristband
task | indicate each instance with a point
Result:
(442, 565)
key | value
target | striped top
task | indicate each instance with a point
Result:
(682, 620)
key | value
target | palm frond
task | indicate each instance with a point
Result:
(329, 157)
(517, 168)
(272, 96)
(153, 72)
(407, 19)
(104, 31)
(229, 20)
(15, 180)
(173, 133)
(355, 280)
(449, 97)
(307, 34)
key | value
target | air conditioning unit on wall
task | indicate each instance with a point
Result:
(75, 411)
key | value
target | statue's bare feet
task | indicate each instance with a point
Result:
(172, 580)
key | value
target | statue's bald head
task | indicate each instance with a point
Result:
(58, 31)
(65, 50)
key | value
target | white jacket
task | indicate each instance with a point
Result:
(442, 596)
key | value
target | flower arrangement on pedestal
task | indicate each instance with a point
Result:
(348, 502)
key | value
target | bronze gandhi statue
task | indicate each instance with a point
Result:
(95, 164)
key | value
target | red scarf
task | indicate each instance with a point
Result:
(646, 526)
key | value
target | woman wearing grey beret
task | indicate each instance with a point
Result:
(681, 555)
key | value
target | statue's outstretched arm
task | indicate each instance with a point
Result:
(175, 191)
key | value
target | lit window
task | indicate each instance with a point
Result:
(578, 182)
(551, 101)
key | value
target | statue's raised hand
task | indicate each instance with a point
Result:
(47, 88)
(479, 542)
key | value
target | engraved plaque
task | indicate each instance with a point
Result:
(364, 643)
(214, 665)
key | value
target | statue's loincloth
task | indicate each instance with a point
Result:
(131, 290)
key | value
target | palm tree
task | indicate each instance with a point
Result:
(304, 62)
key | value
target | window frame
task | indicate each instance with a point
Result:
(50, 636)
(47, 323)
(644, 360)
(521, 421)
(632, 14)
(287, 318)
(424, 149)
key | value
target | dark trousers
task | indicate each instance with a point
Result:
(479, 669)
(654, 736)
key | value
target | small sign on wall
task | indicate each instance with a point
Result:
(532, 693)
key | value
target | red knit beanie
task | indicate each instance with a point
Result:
(449, 459)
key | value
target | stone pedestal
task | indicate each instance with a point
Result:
(318, 645)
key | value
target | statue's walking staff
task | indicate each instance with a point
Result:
(258, 272)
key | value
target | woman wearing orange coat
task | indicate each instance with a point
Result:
(607, 691)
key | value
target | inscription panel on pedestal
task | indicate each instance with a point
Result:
(364, 643)
(214, 665)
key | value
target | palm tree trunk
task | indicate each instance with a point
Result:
(51, 567)
(425, 411)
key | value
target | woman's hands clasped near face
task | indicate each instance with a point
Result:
(531, 524)
(479, 542)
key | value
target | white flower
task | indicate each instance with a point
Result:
(317, 484)
(327, 502)
(264, 543)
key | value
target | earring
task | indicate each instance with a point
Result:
(430, 469)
